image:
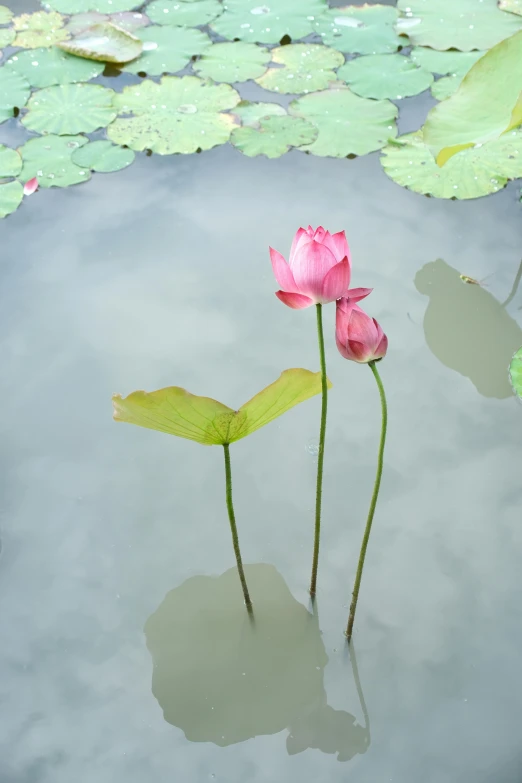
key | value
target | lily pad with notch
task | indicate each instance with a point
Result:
(104, 42)
(385, 76)
(306, 68)
(14, 93)
(50, 66)
(250, 113)
(103, 156)
(256, 21)
(10, 162)
(273, 136)
(49, 158)
(167, 49)
(69, 109)
(365, 29)
(233, 62)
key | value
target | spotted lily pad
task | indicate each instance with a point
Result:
(11, 196)
(130, 21)
(49, 158)
(39, 29)
(183, 13)
(102, 156)
(5, 14)
(274, 136)
(7, 36)
(14, 92)
(251, 113)
(85, 6)
(180, 114)
(167, 49)
(306, 68)
(385, 76)
(104, 42)
(347, 124)
(68, 109)
(513, 6)
(472, 173)
(232, 62)
(10, 162)
(268, 21)
(366, 29)
(515, 373)
(447, 24)
(46, 67)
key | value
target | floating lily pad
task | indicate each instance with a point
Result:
(46, 67)
(14, 92)
(39, 29)
(180, 114)
(385, 76)
(10, 162)
(515, 373)
(366, 29)
(104, 42)
(84, 6)
(306, 68)
(49, 158)
(68, 109)
(102, 156)
(447, 24)
(268, 22)
(513, 6)
(472, 173)
(185, 14)
(274, 136)
(167, 49)
(11, 196)
(347, 124)
(5, 14)
(251, 113)
(130, 21)
(233, 62)
(7, 36)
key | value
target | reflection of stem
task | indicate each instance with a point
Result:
(320, 459)
(515, 287)
(233, 527)
(355, 594)
(355, 670)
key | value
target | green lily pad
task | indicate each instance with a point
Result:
(50, 159)
(232, 62)
(84, 6)
(447, 86)
(5, 14)
(513, 6)
(11, 196)
(268, 21)
(306, 68)
(7, 36)
(167, 49)
(447, 24)
(274, 136)
(68, 109)
(515, 373)
(452, 62)
(185, 14)
(10, 162)
(14, 92)
(251, 113)
(385, 76)
(472, 173)
(347, 124)
(180, 114)
(366, 29)
(39, 29)
(178, 412)
(102, 156)
(104, 42)
(130, 21)
(46, 67)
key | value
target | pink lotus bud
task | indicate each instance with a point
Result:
(358, 337)
(31, 186)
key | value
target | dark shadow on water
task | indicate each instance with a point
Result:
(467, 329)
(224, 679)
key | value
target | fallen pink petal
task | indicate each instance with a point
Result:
(31, 186)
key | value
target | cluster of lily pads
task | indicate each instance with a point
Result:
(353, 63)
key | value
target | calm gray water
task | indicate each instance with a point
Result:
(115, 538)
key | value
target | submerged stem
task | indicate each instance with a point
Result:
(233, 527)
(320, 459)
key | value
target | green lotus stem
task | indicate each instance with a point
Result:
(355, 594)
(320, 459)
(233, 527)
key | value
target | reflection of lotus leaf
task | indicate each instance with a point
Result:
(447, 24)
(186, 14)
(467, 329)
(232, 62)
(14, 92)
(46, 67)
(258, 21)
(39, 29)
(471, 173)
(10, 162)
(328, 730)
(167, 49)
(50, 159)
(515, 373)
(306, 68)
(180, 114)
(102, 156)
(68, 109)
(84, 6)
(274, 136)
(347, 124)
(366, 29)
(385, 76)
(11, 196)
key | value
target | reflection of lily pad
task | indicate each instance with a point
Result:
(14, 92)
(10, 162)
(50, 159)
(185, 14)
(385, 76)
(167, 49)
(515, 373)
(5, 14)
(84, 6)
(102, 156)
(46, 67)
(306, 68)
(472, 173)
(366, 29)
(232, 62)
(68, 109)
(274, 136)
(447, 24)
(180, 114)
(7, 36)
(347, 124)
(11, 196)
(39, 29)
(104, 42)
(258, 21)
(513, 6)
(251, 113)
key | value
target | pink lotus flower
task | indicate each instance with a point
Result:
(318, 269)
(358, 337)
(30, 186)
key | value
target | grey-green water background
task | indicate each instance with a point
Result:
(160, 275)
